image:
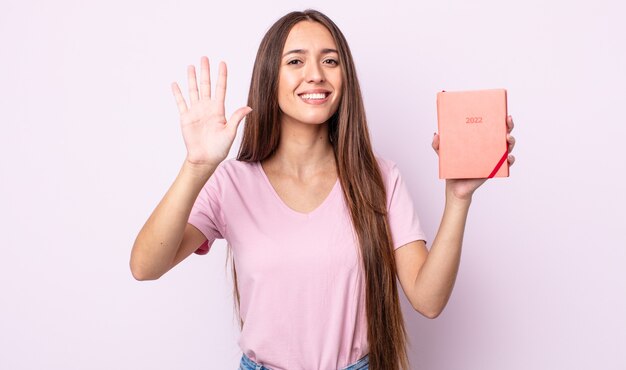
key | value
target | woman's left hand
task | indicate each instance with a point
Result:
(463, 189)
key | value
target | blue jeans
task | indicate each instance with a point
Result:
(248, 364)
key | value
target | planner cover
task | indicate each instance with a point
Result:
(472, 134)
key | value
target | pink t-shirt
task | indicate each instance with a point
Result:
(300, 279)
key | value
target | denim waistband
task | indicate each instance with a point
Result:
(248, 364)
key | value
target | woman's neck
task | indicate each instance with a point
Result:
(303, 150)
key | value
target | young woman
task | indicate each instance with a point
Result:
(319, 227)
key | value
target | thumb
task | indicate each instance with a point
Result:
(435, 143)
(236, 118)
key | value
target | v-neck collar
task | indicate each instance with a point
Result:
(292, 211)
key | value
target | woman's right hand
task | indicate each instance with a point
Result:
(208, 135)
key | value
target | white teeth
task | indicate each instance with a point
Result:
(313, 96)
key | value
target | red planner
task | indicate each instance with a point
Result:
(472, 134)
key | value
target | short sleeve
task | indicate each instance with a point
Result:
(403, 220)
(206, 214)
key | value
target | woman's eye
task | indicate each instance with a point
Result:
(331, 61)
(295, 61)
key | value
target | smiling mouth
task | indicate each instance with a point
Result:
(314, 96)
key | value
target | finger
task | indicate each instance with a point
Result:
(435, 143)
(180, 100)
(509, 124)
(511, 140)
(236, 118)
(205, 78)
(193, 84)
(220, 92)
(511, 159)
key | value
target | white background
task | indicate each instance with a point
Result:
(90, 142)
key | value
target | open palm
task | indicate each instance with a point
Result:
(207, 134)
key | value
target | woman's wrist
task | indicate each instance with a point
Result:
(198, 171)
(457, 200)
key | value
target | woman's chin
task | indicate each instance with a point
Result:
(311, 120)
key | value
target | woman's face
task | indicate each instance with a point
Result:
(310, 79)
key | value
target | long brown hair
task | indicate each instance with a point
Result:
(358, 172)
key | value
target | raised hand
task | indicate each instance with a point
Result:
(464, 188)
(207, 134)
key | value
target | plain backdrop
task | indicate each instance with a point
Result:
(90, 142)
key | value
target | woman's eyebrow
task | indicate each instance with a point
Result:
(302, 51)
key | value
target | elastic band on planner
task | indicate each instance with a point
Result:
(500, 162)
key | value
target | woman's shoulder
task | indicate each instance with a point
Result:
(236, 172)
(233, 165)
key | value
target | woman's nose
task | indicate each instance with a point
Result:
(314, 72)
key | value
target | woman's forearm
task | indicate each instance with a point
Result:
(435, 280)
(158, 241)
